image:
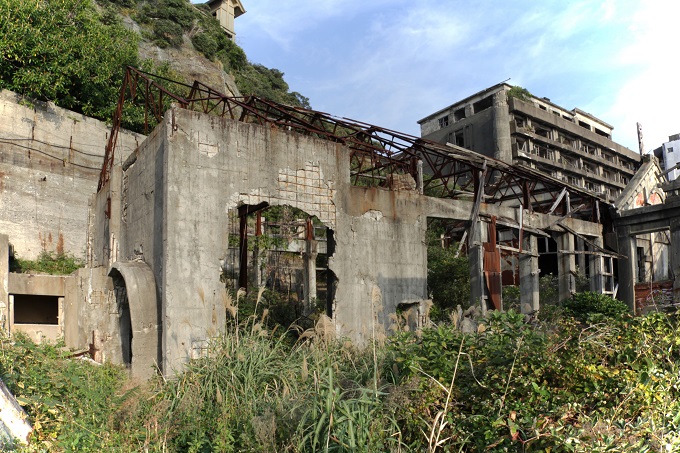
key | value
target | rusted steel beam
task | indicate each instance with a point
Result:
(374, 152)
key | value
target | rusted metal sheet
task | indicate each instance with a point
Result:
(650, 294)
(492, 266)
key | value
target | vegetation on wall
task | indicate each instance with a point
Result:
(47, 263)
(519, 93)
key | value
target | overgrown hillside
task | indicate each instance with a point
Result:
(73, 52)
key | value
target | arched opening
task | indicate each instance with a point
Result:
(124, 317)
(284, 250)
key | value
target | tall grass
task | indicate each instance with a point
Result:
(571, 385)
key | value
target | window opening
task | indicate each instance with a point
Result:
(31, 309)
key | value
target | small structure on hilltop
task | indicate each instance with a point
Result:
(225, 11)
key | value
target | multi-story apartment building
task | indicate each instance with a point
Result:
(669, 156)
(511, 125)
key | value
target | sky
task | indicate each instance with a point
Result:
(393, 62)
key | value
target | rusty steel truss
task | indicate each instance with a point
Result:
(376, 154)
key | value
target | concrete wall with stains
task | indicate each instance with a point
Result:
(49, 166)
(174, 194)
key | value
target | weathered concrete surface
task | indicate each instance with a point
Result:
(37, 285)
(4, 281)
(40, 285)
(92, 314)
(13, 419)
(49, 165)
(140, 291)
(174, 194)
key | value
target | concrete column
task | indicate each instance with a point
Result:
(596, 269)
(528, 275)
(581, 257)
(566, 265)
(476, 257)
(501, 127)
(4, 281)
(309, 257)
(675, 258)
(626, 267)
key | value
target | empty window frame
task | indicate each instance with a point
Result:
(543, 132)
(602, 133)
(459, 138)
(459, 114)
(443, 121)
(483, 104)
(521, 145)
(669, 149)
(584, 124)
(30, 309)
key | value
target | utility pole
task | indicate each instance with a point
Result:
(640, 142)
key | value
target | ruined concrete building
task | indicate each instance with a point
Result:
(509, 124)
(164, 219)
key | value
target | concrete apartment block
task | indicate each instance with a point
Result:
(569, 145)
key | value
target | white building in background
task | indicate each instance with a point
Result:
(225, 11)
(669, 156)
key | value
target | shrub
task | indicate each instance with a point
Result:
(583, 305)
(167, 33)
(47, 263)
(61, 51)
(519, 93)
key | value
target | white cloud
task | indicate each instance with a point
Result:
(393, 61)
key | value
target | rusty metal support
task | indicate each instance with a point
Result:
(243, 212)
(374, 152)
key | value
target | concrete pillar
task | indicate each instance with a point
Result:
(309, 257)
(596, 268)
(528, 275)
(675, 258)
(501, 127)
(476, 257)
(566, 265)
(626, 267)
(581, 257)
(4, 281)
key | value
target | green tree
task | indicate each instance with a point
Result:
(258, 80)
(61, 51)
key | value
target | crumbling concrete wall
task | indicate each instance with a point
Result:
(49, 165)
(169, 209)
(91, 314)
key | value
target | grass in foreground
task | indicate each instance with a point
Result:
(599, 383)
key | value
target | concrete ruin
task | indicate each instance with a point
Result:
(163, 213)
(158, 227)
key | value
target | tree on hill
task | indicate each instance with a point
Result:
(61, 51)
(73, 52)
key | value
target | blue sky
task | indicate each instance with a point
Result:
(392, 62)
